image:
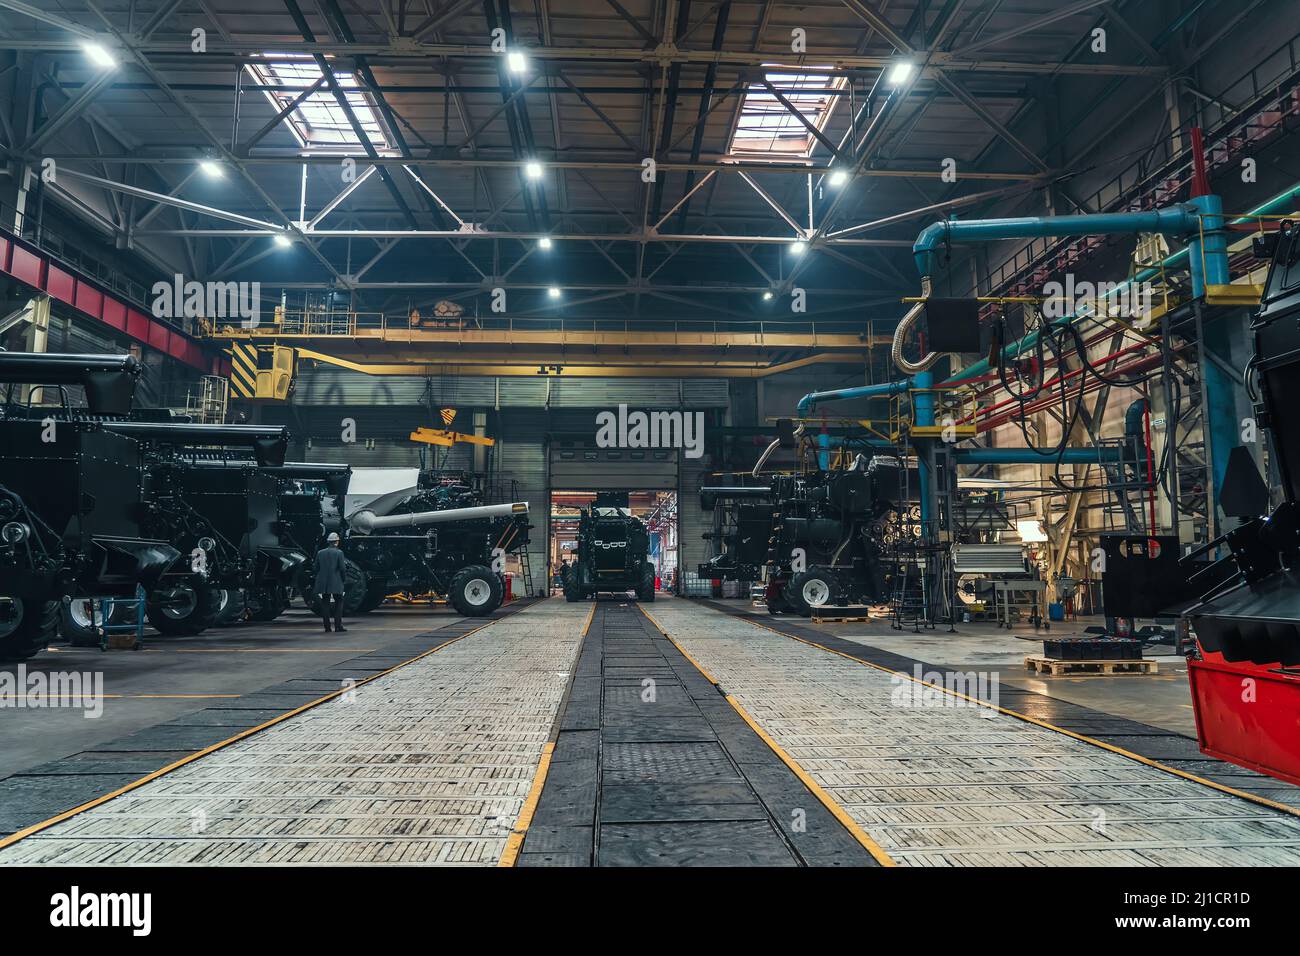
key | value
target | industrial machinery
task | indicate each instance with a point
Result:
(304, 490)
(742, 528)
(612, 553)
(434, 539)
(72, 504)
(222, 511)
(830, 534)
(1246, 680)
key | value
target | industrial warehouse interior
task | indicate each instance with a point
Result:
(650, 434)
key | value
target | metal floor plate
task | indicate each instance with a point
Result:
(953, 786)
(430, 764)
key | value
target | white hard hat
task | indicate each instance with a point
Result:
(333, 536)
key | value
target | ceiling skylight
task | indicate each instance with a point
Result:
(767, 129)
(319, 120)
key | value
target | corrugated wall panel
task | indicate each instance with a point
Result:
(692, 520)
(523, 460)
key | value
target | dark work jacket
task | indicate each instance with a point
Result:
(329, 571)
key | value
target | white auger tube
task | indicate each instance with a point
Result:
(366, 521)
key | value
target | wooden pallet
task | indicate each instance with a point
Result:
(841, 615)
(1055, 666)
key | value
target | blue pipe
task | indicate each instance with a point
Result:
(1283, 201)
(813, 399)
(923, 411)
(1109, 454)
(1178, 220)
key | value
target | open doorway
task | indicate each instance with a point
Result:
(656, 509)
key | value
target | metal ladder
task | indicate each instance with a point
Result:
(526, 572)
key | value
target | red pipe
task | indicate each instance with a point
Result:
(1200, 178)
(1068, 375)
(1139, 365)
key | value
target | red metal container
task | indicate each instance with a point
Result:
(1248, 714)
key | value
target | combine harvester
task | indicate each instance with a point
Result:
(437, 538)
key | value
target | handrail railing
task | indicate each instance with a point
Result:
(1162, 174)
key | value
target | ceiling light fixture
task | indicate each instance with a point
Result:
(211, 169)
(99, 55)
(533, 169)
(283, 240)
(516, 62)
(901, 72)
(838, 177)
(544, 242)
(553, 292)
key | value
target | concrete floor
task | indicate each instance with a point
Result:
(1162, 700)
(170, 678)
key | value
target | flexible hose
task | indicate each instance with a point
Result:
(762, 459)
(900, 334)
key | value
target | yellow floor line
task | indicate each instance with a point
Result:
(840, 814)
(510, 855)
(162, 771)
(1222, 788)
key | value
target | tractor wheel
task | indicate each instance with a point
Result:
(266, 604)
(74, 622)
(646, 592)
(231, 604)
(26, 627)
(476, 591)
(376, 594)
(356, 584)
(183, 610)
(808, 590)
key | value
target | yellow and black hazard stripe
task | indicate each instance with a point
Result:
(243, 370)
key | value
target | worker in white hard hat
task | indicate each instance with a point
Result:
(330, 566)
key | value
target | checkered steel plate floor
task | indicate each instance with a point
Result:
(952, 786)
(428, 765)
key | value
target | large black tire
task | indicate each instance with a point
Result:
(356, 585)
(646, 592)
(74, 623)
(231, 604)
(26, 628)
(572, 592)
(184, 610)
(266, 604)
(810, 589)
(476, 591)
(376, 594)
